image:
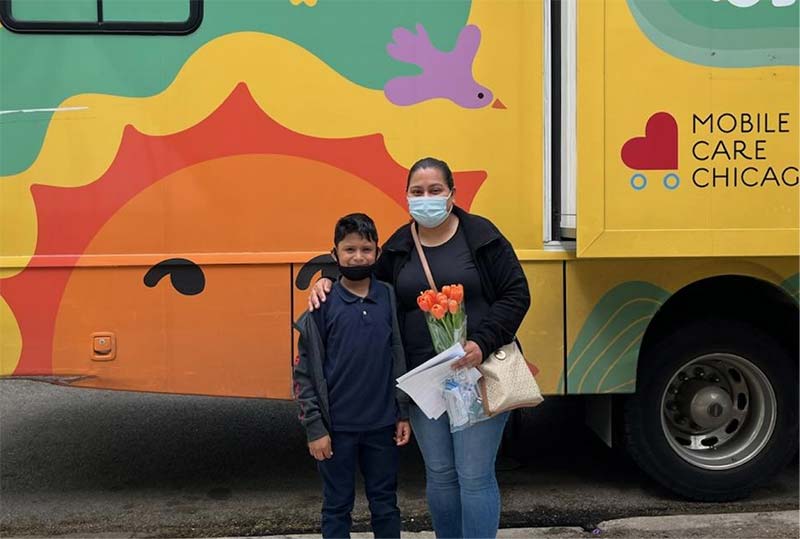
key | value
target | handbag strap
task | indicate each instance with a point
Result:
(425, 267)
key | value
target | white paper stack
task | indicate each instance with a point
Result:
(424, 384)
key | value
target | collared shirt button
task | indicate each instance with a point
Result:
(365, 313)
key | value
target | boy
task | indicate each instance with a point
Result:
(344, 381)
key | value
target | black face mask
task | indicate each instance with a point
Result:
(356, 273)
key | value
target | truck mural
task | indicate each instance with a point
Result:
(170, 172)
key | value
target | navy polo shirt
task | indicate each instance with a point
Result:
(358, 365)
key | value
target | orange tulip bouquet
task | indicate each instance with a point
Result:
(447, 323)
(444, 313)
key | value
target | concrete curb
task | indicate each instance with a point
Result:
(763, 524)
(738, 525)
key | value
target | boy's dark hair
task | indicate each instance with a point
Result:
(431, 162)
(355, 223)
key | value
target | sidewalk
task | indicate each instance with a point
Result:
(778, 524)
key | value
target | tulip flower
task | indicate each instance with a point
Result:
(446, 290)
(452, 306)
(424, 303)
(438, 311)
(457, 292)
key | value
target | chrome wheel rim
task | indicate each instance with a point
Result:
(718, 411)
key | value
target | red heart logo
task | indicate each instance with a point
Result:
(657, 149)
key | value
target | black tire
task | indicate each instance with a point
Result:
(647, 422)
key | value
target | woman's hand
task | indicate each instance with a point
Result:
(472, 358)
(321, 448)
(319, 293)
(402, 433)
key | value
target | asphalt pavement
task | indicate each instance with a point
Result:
(91, 463)
(779, 524)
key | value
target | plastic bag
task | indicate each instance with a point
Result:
(463, 400)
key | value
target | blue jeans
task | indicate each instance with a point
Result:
(461, 486)
(375, 453)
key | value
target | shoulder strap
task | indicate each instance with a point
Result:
(425, 267)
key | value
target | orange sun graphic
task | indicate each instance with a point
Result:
(235, 189)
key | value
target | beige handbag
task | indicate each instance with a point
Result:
(507, 380)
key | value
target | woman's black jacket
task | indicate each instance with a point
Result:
(502, 279)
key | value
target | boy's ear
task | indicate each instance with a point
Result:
(378, 252)
(333, 255)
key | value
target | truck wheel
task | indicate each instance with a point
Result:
(715, 411)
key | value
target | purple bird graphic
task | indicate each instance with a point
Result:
(444, 74)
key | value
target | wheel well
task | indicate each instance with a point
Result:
(730, 297)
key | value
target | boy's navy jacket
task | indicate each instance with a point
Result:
(310, 388)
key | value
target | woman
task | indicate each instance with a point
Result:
(462, 491)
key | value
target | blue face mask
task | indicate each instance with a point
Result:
(429, 212)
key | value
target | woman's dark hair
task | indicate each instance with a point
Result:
(355, 223)
(431, 162)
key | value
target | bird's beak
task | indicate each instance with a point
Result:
(498, 104)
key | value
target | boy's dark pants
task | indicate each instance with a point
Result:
(376, 454)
